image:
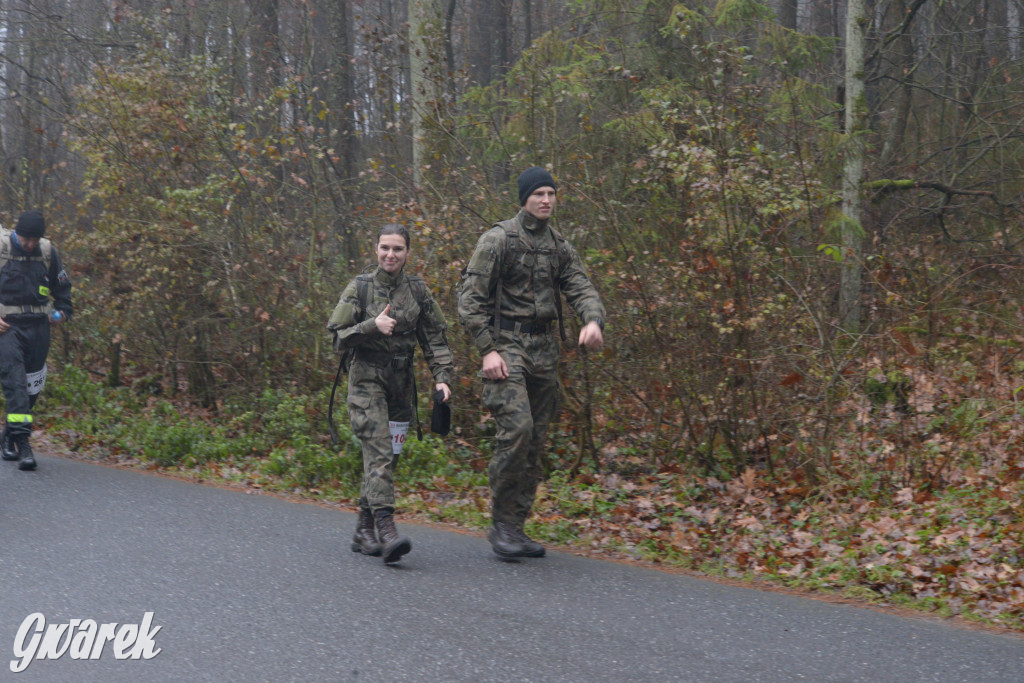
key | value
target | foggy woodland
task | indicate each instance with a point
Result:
(804, 217)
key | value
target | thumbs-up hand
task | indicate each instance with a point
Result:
(385, 323)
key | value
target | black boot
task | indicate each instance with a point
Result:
(7, 451)
(394, 545)
(365, 539)
(25, 455)
(530, 547)
(504, 541)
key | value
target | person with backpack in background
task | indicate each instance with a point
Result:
(509, 300)
(379, 320)
(31, 274)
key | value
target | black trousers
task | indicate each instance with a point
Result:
(23, 350)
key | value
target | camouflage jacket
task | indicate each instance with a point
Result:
(418, 320)
(528, 278)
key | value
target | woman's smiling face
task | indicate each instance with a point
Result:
(392, 253)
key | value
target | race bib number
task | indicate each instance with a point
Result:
(36, 381)
(398, 433)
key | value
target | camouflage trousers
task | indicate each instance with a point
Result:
(377, 394)
(523, 406)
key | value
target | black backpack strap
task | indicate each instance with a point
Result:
(330, 404)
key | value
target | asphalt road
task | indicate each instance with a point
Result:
(255, 588)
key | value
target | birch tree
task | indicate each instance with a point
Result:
(852, 233)
(425, 20)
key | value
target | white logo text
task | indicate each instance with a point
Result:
(82, 639)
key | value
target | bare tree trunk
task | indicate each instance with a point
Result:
(266, 47)
(787, 13)
(490, 38)
(527, 23)
(9, 195)
(449, 49)
(823, 18)
(483, 21)
(32, 113)
(996, 15)
(267, 62)
(425, 24)
(1013, 29)
(343, 116)
(904, 58)
(853, 171)
(504, 34)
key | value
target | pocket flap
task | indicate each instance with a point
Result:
(359, 401)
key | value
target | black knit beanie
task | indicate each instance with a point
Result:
(31, 224)
(531, 179)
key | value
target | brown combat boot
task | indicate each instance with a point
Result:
(365, 539)
(504, 541)
(394, 545)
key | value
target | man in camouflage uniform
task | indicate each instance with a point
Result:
(509, 304)
(380, 318)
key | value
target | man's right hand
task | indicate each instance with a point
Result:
(385, 323)
(494, 366)
(4, 326)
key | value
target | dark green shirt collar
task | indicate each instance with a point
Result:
(531, 222)
(390, 281)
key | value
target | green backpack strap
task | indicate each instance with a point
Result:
(507, 257)
(419, 290)
(422, 296)
(364, 288)
(364, 284)
(562, 252)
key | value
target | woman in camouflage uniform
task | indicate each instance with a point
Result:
(381, 317)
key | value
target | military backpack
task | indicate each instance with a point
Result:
(514, 250)
(364, 292)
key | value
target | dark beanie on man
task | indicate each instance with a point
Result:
(531, 179)
(31, 224)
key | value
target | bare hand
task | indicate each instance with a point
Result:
(591, 336)
(494, 366)
(385, 323)
(4, 326)
(441, 386)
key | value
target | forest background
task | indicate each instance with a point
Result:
(804, 218)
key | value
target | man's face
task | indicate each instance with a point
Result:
(541, 203)
(392, 253)
(27, 243)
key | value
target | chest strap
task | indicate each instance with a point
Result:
(6, 310)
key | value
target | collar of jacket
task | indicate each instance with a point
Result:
(531, 222)
(390, 281)
(16, 245)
